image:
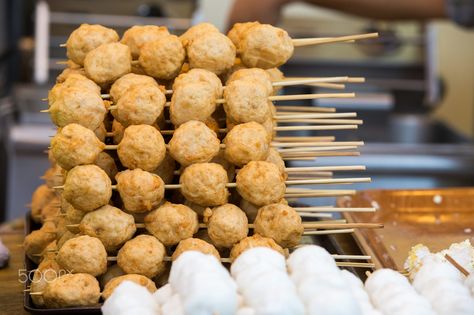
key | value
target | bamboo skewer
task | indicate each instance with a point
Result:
(288, 182)
(319, 41)
(453, 262)
(295, 108)
(333, 209)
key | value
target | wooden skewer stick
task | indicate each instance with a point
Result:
(349, 80)
(355, 265)
(288, 182)
(295, 108)
(323, 121)
(333, 209)
(326, 232)
(320, 193)
(319, 41)
(325, 127)
(301, 139)
(315, 115)
(456, 265)
(312, 155)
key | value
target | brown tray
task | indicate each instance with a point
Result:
(435, 218)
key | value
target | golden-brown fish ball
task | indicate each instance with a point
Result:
(138, 279)
(142, 146)
(83, 254)
(276, 75)
(40, 198)
(226, 225)
(87, 187)
(75, 145)
(101, 132)
(246, 101)
(107, 164)
(36, 242)
(275, 158)
(253, 74)
(117, 130)
(246, 142)
(139, 190)
(72, 216)
(70, 290)
(51, 210)
(281, 223)
(237, 32)
(86, 38)
(162, 58)
(122, 85)
(261, 183)
(140, 105)
(195, 244)
(113, 271)
(47, 271)
(54, 176)
(73, 80)
(265, 46)
(108, 62)
(211, 51)
(205, 184)
(192, 101)
(109, 224)
(76, 105)
(228, 166)
(197, 31)
(193, 142)
(138, 35)
(143, 255)
(67, 72)
(200, 75)
(172, 223)
(253, 241)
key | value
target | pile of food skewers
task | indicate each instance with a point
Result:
(169, 144)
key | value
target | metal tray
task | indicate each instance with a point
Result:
(435, 217)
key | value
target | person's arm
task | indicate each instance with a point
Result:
(268, 11)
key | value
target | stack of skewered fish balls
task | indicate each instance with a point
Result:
(89, 223)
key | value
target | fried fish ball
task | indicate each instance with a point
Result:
(83, 254)
(142, 146)
(75, 145)
(226, 225)
(101, 132)
(140, 105)
(73, 80)
(246, 142)
(205, 184)
(54, 176)
(47, 271)
(80, 289)
(281, 223)
(228, 166)
(107, 164)
(122, 85)
(139, 190)
(138, 279)
(199, 75)
(246, 101)
(138, 35)
(261, 183)
(66, 237)
(67, 72)
(40, 198)
(76, 105)
(192, 101)
(253, 241)
(253, 74)
(275, 158)
(211, 51)
(172, 223)
(265, 46)
(113, 271)
(87, 187)
(143, 255)
(109, 224)
(117, 130)
(86, 38)
(162, 58)
(193, 142)
(197, 31)
(195, 244)
(38, 240)
(51, 210)
(108, 62)
(72, 216)
(237, 32)
(166, 169)
(249, 208)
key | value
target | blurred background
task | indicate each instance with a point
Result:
(417, 103)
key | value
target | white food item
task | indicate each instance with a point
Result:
(442, 284)
(246, 311)
(462, 253)
(357, 287)
(391, 293)
(204, 286)
(163, 294)
(320, 284)
(173, 306)
(130, 298)
(252, 257)
(469, 283)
